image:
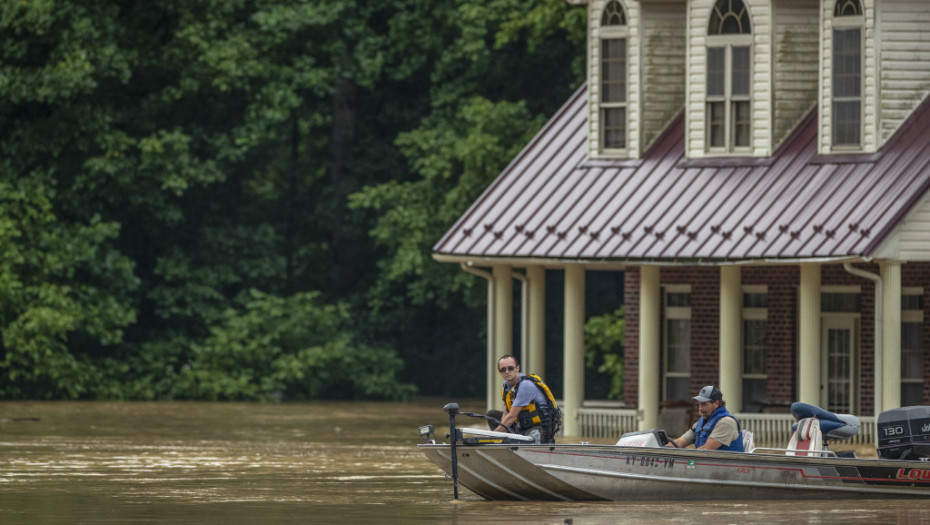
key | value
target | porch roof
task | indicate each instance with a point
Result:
(553, 202)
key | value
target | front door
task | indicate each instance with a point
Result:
(839, 347)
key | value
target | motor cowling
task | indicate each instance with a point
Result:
(904, 433)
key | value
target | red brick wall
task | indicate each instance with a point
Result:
(781, 361)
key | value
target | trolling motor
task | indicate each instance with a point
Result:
(452, 409)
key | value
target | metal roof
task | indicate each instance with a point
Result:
(553, 202)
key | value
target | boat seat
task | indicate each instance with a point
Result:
(748, 443)
(807, 437)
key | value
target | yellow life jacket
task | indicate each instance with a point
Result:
(531, 415)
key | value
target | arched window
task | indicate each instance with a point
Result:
(729, 96)
(847, 74)
(729, 17)
(847, 8)
(613, 77)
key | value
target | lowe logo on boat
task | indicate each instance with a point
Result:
(914, 473)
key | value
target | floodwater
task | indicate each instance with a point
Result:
(328, 462)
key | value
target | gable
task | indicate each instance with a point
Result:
(553, 202)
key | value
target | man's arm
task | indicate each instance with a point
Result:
(508, 419)
(684, 440)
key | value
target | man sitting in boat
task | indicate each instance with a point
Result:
(717, 429)
(530, 406)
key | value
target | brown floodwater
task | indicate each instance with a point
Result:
(327, 462)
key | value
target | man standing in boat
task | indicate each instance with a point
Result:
(530, 407)
(717, 429)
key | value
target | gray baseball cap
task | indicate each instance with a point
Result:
(709, 393)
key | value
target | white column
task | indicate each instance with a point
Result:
(891, 335)
(573, 394)
(809, 336)
(536, 331)
(503, 325)
(731, 358)
(650, 309)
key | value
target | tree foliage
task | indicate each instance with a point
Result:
(226, 199)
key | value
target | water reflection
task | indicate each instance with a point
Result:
(211, 463)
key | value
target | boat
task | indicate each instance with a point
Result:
(640, 467)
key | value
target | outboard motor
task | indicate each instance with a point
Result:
(644, 438)
(904, 433)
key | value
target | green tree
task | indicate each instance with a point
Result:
(603, 342)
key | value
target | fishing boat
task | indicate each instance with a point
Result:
(641, 467)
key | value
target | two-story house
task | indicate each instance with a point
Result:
(759, 170)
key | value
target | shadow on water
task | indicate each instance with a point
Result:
(328, 462)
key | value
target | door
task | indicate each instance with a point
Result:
(839, 368)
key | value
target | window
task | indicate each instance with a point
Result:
(847, 74)
(755, 331)
(677, 342)
(912, 355)
(729, 44)
(613, 72)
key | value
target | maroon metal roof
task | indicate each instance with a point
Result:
(554, 202)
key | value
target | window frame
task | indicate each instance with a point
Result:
(913, 317)
(729, 100)
(676, 313)
(613, 32)
(847, 23)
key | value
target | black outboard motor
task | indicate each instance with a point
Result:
(904, 433)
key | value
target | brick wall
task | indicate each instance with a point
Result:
(781, 343)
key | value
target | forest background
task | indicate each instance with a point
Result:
(237, 199)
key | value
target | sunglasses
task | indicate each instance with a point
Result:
(506, 369)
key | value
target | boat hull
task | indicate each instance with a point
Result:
(605, 472)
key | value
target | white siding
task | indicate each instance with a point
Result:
(796, 66)
(905, 60)
(663, 65)
(911, 239)
(634, 116)
(869, 75)
(761, 19)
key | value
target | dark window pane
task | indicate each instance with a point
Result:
(847, 123)
(912, 394)
(614, 123)
(716, 124)
(847, 60)
(754, 333)
(678, 299)
(839, 302)
(753, 395)
(613, 70)
(755, 300)
(716, 71)
(740, 76)
(912, 302)
(679, 345)
(741, 123)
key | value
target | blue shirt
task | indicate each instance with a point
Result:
(527, 393)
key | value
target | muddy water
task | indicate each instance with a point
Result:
(219, 463)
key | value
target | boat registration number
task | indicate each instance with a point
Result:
(650, 461)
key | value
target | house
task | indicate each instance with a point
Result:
(759, 170)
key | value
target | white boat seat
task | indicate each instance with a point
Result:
(748, 443)
(806, 438)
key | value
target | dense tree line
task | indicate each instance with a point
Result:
(236, 199)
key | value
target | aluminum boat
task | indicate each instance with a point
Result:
(503, 466)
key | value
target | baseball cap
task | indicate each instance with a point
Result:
(709, 393)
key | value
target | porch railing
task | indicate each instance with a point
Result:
(767, 429)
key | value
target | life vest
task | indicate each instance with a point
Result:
(703, 429)
(549, 417)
